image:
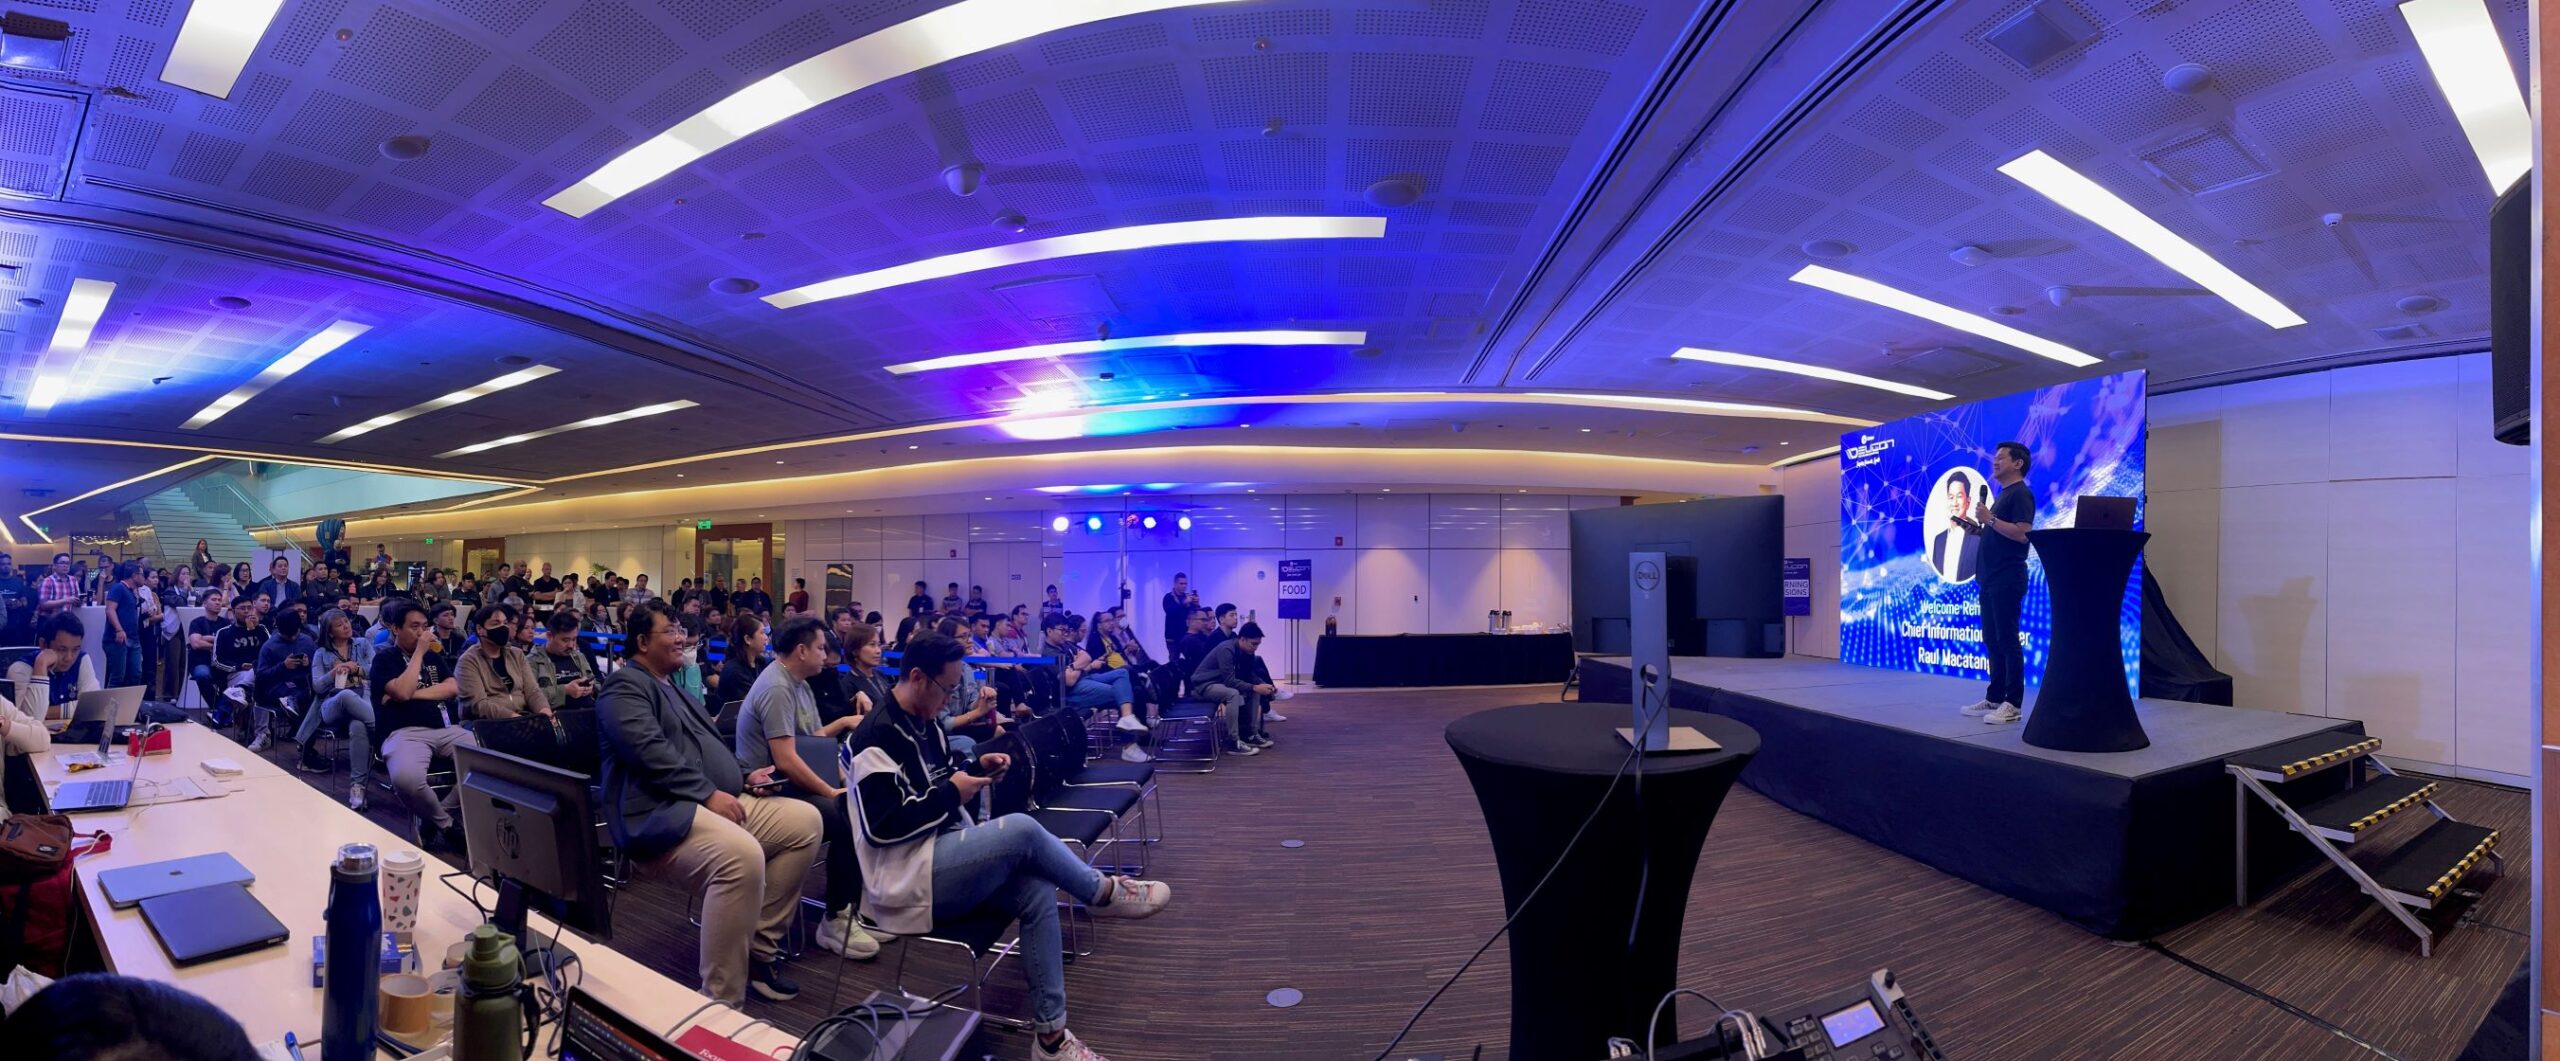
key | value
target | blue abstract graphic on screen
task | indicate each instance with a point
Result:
(1908, 600)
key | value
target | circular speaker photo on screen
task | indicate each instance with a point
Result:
(1955, 505)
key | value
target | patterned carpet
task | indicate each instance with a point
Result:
(1395, 886)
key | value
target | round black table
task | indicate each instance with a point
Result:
(2083, 704)
(1537, 770)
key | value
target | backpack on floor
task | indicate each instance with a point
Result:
(38, 895)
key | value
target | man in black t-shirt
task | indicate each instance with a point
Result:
(2002, 576)
(235, 660)
(921, 602)
(546, 593)
(201, 634)
(17, 604)
(413, 705)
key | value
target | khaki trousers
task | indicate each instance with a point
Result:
(750, 878)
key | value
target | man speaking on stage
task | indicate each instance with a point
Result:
(2001, 575)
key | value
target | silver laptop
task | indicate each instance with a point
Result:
(100, 713)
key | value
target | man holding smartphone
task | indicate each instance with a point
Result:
(778, 719)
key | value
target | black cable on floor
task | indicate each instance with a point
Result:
(2307, 1015)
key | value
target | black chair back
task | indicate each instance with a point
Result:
(567, 740)
(1055, 743)
(1011, 794)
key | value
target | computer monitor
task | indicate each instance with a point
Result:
(532, 828)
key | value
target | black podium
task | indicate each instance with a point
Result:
(2083, 705)
(1537, 770)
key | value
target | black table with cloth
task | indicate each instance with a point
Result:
(1443, 659)
(1538, 769)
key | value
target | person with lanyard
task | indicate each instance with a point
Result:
(413, 690)
(920, 601)
(2001, 574)
(466, 593)
(778, 727)
(50, 679)
(235, 661)
(546, 593)
(683, 807)
(924, 863)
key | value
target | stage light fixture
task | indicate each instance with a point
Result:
(1134, 237)
(1149, 523)
(215, 41)
(927, 40)
(2470, 64)
(1134, 342)
(1059, 524)
(2087, 198)
(1093, 523)
(1182, 523)
(1866, 290)
(511, 379)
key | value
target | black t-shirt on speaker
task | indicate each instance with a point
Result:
(2003, 560)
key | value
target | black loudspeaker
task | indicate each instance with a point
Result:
(2511, 314)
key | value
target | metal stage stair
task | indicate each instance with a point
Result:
(2420, 875)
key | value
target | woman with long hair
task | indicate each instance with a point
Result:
(203, 554)
(340, 682)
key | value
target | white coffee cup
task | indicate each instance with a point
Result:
(403, 872)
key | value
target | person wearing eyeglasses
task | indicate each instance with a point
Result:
(497, 680)
(923, 862)
(413, 693)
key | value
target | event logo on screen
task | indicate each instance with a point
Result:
(1908, 568)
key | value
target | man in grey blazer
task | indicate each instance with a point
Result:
(682, 806)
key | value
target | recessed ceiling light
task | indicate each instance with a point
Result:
(215, 42)
(1721, 357)
(580, 425)
(511, 379)
(311, 349)
(913, 447)
(932, 39)
(1134, 237)
(2470, 64)
(2085, 197)
(1134, 342)
(47, 390)
(777, 462)
(80, 312)
(1866, 290)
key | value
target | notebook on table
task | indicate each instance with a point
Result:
(201, 924)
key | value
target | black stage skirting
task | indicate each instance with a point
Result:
(1443, 659)
(2125, 844)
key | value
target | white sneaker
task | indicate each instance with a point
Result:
(1135, 898)
(1129, 722)
(1269, 715)
(873, 927)
(355, 797)
(2002, 715)
(1979, 708)
(1131, 753)
(260, 742)
(1281, 692)
(1069, 1049)
(843, 935)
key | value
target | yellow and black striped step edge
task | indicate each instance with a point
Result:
(2348, 813)
(2305, 755)
(2430, 864)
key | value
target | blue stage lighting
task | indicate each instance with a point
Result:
(1093, 523)
(1058, 524)
(1150, 523)
(1183, 523)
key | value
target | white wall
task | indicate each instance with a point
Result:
(1399, 562)
(2347, 543)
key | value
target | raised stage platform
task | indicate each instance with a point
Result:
(2127, 844)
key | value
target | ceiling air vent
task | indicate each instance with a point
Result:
(1949, 362)
(2044, 32)
(2206, 161)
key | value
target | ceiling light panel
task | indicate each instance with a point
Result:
(961, 29)
(312, 349)
(1722, 357)
(1866, 290)
(47, 390)
(1135, 342)
(80, 312)
(512, 379)
(2082, 196)
(592, 421)
(2471, 67)
(1135, 237)
(215, 42)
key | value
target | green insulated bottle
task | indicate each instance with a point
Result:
(488, 1023)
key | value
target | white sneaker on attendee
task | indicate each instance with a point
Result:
(1979, 708)
(878, 933)
(1129, 722)
(1259, 740)
(260, 742)
(355, 796)
(1134, 899)
(1131, 753)
(2002, 715)
(1240, 749)
(1069, 1049)
(843, 935)
(1281, 692)
(1269, 715)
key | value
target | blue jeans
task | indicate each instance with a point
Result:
(124, 664)
(349, 706)
(1015, 863)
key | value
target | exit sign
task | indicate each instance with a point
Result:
(431, 541)
(702, 524)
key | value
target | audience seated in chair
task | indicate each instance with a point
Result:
(413, 692)
(778, 727)
(283, 680)
(48, 681)
(1227, 676)
(1078, 689)
(496, 679)
(235, 660)
(341, 665)
(924, 863)
(680, 807)
(561, 668)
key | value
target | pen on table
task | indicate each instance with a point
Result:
(292, 1047)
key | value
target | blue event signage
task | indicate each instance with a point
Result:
(1795, 584)
(1297, 588)
(1908, 600)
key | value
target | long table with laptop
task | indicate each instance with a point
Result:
(208, 812)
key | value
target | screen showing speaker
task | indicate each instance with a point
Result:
(1908, 567)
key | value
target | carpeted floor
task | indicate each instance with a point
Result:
(1395, 886)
